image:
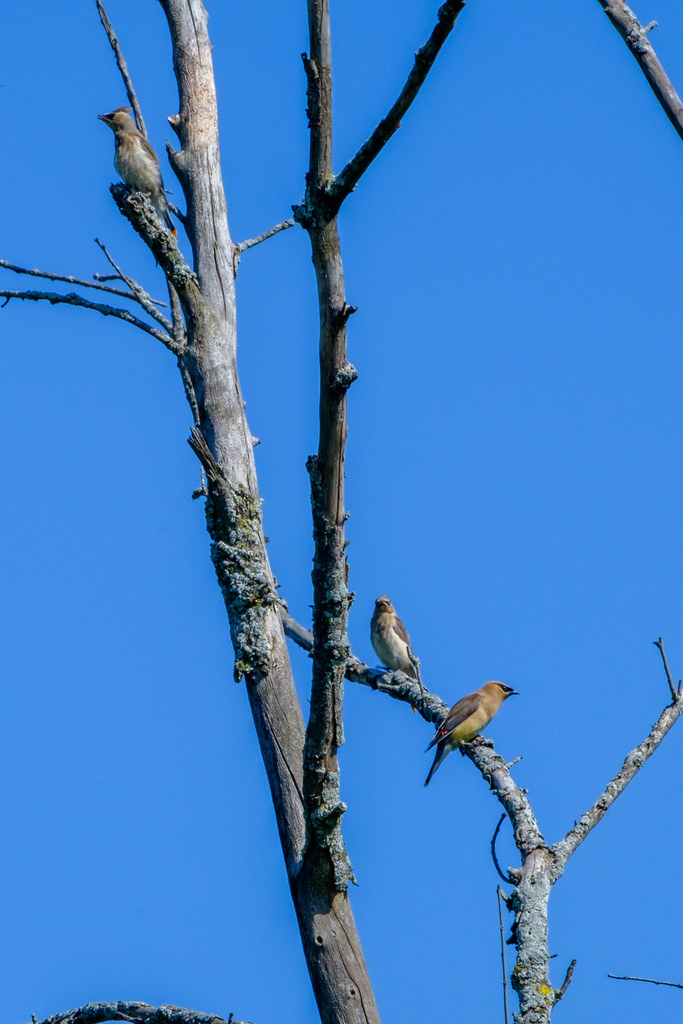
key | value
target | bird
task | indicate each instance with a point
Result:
(136, 161)
(390, 640)
(466, 719)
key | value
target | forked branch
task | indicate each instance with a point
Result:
(140, 295)
(74, 299)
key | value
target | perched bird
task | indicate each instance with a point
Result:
(136, 161)
(390, 640)
(466, 719)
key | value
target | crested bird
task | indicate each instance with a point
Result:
(466, 719)
(136, 161)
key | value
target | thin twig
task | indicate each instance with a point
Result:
(348, 178)
(249, 243)
(81, 282)
(633, 762)
(636, 38)
(502, 951)
(506, 878)
(123, 68)
(559, 993)
(140, 294)
(650, 981)
(659, 644)
(73, 299)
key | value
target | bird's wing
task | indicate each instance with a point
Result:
(458, 713)
(400, 631)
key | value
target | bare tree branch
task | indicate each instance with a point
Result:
(346, 993)
(123, 68)
(324, 734)
(633, 763)
(636, 38)
(348, 178)
(650, 981)
(249, 243)
(296, 632)
(142, 296)
(559, 993)
(659, 644)
(98, 1013)
(73, 299)
(82, 282)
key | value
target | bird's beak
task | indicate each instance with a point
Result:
(103, 117)
(514, 693)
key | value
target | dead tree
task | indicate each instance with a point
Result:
(301, 757)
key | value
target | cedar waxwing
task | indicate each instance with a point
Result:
(466, 719)
(136, 161)
(389, 638)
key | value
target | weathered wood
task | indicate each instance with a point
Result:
(328, 931)
(636, 38)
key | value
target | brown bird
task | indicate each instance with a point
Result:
(466, 719)
(136, 161)
(390, 640)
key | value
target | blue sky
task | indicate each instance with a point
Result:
(513, 478)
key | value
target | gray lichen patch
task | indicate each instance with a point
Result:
(325, 824)
(234, 523)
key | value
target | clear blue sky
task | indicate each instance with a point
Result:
(514, 482)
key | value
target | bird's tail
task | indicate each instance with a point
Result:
(442, 752)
